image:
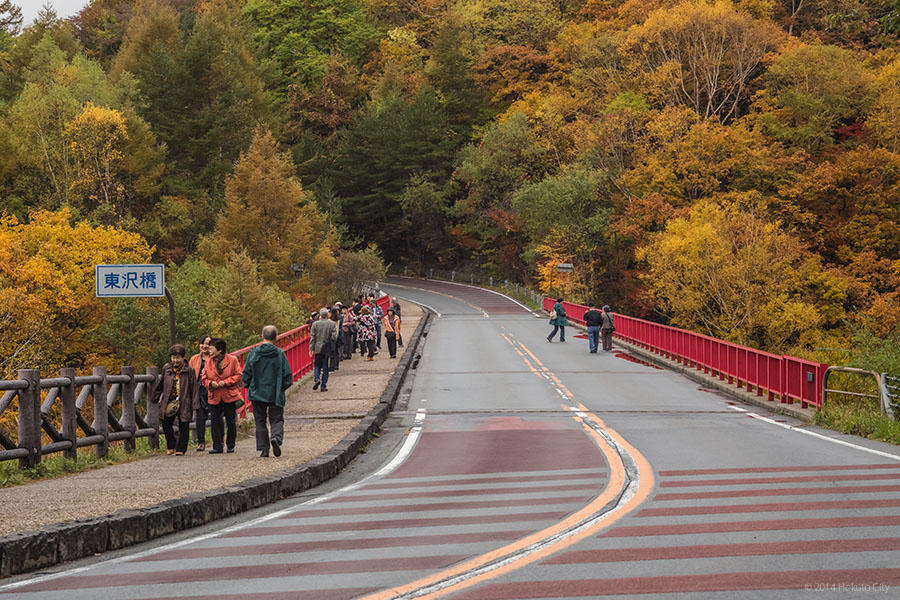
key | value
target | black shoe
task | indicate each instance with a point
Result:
(276, 448)
(324, 389)
(316, 385)
(214, 451)
(264, 453)
(230, 451)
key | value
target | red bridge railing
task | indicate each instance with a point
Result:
(788, 377)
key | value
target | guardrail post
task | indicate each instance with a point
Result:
(69, 430)
(30, 417)
(127, 422)
(153, 407)
(101, 419)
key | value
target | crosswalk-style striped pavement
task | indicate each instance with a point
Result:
(387, 533)
(770, 532)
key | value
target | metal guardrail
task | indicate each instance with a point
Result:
(883, 400)
(890, 389)
(790, 378)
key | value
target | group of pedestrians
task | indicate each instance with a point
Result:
(337, 333)
(600, 325)
(208, 385)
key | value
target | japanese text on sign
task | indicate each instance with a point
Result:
(130, 280)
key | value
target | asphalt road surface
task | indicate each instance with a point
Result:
(524, 469)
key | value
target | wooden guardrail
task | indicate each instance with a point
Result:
(126, 392)
(124, 407)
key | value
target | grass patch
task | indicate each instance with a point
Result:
(858, 419)
(57, 465)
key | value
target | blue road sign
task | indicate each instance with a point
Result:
(130, 280)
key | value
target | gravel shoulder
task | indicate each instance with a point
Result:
(314, 423)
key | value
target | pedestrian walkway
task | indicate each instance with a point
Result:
(314, 423)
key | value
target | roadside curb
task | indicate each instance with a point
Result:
(70, 540)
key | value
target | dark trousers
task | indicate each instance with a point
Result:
(320, 370)
(334, 361)
(367, 345)
(562, 333)
(349, 344)
(200, 423)
(593, 332)
(275, 415)
(179, 444)
(378, 334)
(392, 343)
(218, 412)
(606, 336)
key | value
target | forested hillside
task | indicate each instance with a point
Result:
(729, 166)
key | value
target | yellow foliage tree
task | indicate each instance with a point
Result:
(48, 307)
(727, 272)
(97, 137)
(884, 116)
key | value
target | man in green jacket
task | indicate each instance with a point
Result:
(267, 375)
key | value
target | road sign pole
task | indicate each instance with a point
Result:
(171, 316)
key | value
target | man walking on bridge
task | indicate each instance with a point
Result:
(267, 375)
(322, 337)
(593, 319)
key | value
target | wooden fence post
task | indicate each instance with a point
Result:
(153, 407)
(30, 417)
(101, 422)
(69, 430)
(127, 422)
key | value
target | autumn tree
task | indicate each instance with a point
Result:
(97, 137)
(704, 55)
(49, 307)
(727, 271)
(884, 114)
(506, 158)
(811, 90)
(50, 114)
(268, 216)
(301, 36)
(567, 218)
(705, 159)
(245, 302)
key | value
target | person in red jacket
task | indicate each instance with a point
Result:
(197, 362)
(222, 378)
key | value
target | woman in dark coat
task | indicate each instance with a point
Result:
(179, 397)
(559, 322)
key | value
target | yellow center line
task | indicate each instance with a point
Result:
(615, 486)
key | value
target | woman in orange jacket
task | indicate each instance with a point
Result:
(222, 377)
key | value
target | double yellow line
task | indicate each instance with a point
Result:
(628, 487)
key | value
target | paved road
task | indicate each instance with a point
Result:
(536, 470)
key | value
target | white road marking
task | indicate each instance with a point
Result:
(510, 298)
(814, 434)
(405, 450)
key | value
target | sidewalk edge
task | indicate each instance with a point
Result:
(71, 540)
